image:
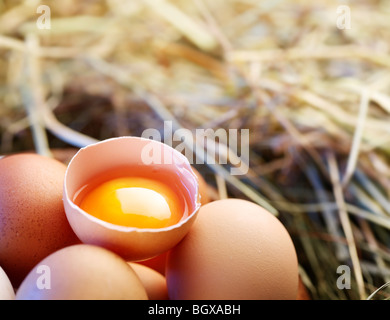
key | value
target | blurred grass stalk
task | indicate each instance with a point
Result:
(316, 100)
(33, 97)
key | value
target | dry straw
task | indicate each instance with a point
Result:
(315, 97)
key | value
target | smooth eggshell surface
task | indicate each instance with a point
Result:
(33, 223)
(154, 282)
(6, 290)
(82, 272)
(235, 250)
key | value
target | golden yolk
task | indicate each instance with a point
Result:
(134, 202)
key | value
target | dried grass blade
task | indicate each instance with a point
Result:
(184, 23)
(346, 224)
(354, 153)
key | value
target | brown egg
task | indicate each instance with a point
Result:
(82, 272)
(6, 290)
(303, 293)
(33, 223)
(203, 187)
(153, 282)
(235, 250)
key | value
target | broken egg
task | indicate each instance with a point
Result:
(134, 196)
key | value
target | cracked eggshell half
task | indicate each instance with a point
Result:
(131, 243)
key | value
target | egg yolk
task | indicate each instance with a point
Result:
(134, 202)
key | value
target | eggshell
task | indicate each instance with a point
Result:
(235, 250)
(203, 188)
(82, 272)
(6, 290)
(131, 243)
(33, 223)
(154, 282)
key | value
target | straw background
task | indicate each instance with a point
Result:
(315, 98)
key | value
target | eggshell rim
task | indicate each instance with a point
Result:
(126, 229)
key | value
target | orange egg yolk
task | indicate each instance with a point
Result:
(134, 202)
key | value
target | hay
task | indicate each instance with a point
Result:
(315, 98)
